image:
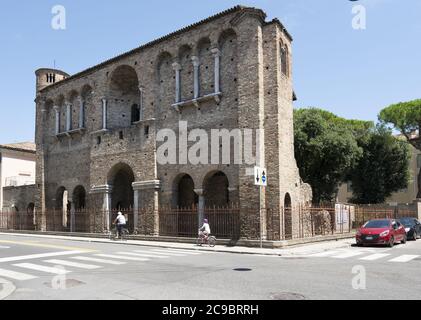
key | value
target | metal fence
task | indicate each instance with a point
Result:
(231, 222)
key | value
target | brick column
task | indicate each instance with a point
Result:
(147, 193)
(105, 191)
(201, 206)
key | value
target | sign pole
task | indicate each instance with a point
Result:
(260, 216)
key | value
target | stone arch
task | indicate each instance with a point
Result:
(183, 192)
(123, 90)
(206, 73)
(185, 54)
(72, 98)
(288, 217)
(79, 198)
(216, 189)
(229, 60)
(86, 94)
(166, 80)
(121, 178)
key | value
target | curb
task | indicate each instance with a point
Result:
(160, 243)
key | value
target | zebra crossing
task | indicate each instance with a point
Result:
(61, 263)
(387, 255)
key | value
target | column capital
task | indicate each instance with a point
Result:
(56, 108)
(216, 52)
(67, 103)
(196, 61)
(144, 185)
(101, 189)
(176, 66)
(141, 89)
(199, 192)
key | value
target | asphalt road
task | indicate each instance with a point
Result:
(51, 269)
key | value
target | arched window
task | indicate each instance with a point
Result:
(135, 113)
(284, 61)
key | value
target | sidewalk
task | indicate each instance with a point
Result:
(293, 251)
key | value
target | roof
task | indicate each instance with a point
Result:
(21, 146)
(164, 38)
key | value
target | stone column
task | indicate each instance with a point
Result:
(217, 56)
(201, 206)
(135, 208)
(81, 113)
(57, 111)
(104, 114)
(176, 66)
(141, 103)
(196, 65)
(68, 116)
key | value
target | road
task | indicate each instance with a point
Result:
(51, 269)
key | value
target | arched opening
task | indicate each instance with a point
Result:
(121, 178)
(207, 63)
(84, 109)
(123, 94)
(79, 198)
(186, 72)
(184, 192)
(135, 113)
(284, 60)
(216, 190)
(288, 217)
(30, 209)
(229, 61)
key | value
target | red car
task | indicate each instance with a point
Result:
(385, 231)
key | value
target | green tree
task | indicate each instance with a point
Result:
(406, 118)
(326, 149)
(382, 169)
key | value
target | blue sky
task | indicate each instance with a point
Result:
(353, 73)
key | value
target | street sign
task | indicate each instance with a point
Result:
(260, 177)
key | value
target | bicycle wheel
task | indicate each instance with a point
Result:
(212, 241)
(199, 242)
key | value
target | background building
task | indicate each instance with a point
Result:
(17, 176)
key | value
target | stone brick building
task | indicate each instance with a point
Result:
(96, 130)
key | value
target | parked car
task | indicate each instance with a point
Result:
(382, 232)
(412, 227)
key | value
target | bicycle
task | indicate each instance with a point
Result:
(114, 233)
(209, 240)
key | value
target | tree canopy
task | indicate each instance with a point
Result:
(326, 149)
(405, 117)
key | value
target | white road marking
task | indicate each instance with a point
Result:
(38, 267)
(142, 255)
(324, 254)
(7, 288)
(72, 264)
(193, 252)
(4, 247)
(106, 261)
(160, 253)
(348, 255)
(121, 257)
(16, 275)
(404, 258)
(375, 256)
(39, 256)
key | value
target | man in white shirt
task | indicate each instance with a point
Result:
(121, 223)
(205, 230)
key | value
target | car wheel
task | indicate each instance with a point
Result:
(404, 239)
(415, 236)
(391, 242)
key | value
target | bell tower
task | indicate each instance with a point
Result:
(47, 77)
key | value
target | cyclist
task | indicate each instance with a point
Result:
(121, 223)
(205, 231)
